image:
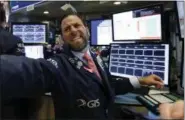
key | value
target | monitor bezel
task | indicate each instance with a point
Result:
(140, 40)
(32, 23)
(178, 23)
(169, 61)
(90, 38)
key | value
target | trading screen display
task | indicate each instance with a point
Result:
(30, 33)
(34, 52)
(139, 60)
(141, 24)
(101, 32)
(180, 9)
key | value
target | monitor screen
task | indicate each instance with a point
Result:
(30, 33)
(180, 10)
(140, 24)
(101, 32)
(34, 51)
(128, 60)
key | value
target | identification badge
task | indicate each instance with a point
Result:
(79, 64)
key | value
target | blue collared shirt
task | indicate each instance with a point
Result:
(81, 54)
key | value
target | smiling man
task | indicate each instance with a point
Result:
(75, 33)
(81, 89)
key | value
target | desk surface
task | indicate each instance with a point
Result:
(136, 111)
(128, 102)
(141, 110)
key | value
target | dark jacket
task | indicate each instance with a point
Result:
(77, 93)
(10, 44)
(15, 108)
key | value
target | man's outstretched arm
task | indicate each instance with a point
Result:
(24, 77)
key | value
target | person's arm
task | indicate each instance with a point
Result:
(24, 77)
(125, 85)
(147, 80)
(120, 85)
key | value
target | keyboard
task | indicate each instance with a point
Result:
(161, 99)
(152, 102)
(152, 106)
(174, 97)
(154, 90)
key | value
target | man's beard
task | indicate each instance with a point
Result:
(81, 48)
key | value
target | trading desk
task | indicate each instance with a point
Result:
(126, 107)
(133, 112)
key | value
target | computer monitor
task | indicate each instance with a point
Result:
(34, 51)
(127, 60)
(30, 32)
(140, 24)
(101, 32)
(180, 14)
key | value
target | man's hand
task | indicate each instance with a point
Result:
(172, 111)
(152, 80)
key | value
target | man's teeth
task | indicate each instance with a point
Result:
(76, 38)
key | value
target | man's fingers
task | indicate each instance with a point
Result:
(159, 86)
(157, 83)
(165, 110)
(157, 78)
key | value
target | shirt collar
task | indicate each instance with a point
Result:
(81, 54)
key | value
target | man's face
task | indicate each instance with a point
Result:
(74, 32)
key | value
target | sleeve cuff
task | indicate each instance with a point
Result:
(135, 82)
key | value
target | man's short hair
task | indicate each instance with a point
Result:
(2, 13)
(68, 13)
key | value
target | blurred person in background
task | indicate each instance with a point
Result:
(48, 51)
(13, 45)
(9, 44)
(58, 45)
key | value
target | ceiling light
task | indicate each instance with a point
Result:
(46, 12)
(65, 7)
(117, 3)
(68, 6)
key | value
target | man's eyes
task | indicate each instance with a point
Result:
(68, 28)
(76, 25)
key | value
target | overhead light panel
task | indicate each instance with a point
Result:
(65, 7)
(68, 6)
(117, 3)
(104, 1)
(46, 12)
